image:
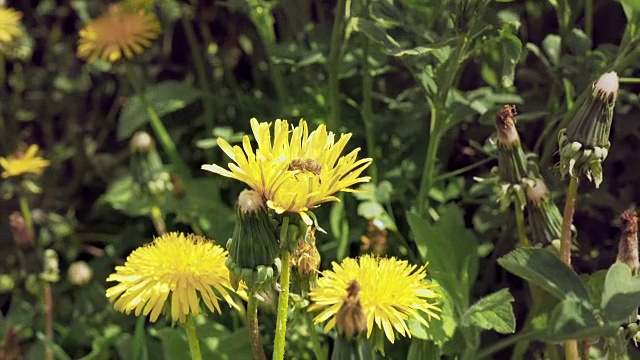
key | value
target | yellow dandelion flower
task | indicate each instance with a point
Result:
(9, 24)
(182, 268)
(24, 162)
(118, 32)
(294, 173)
(391, 292)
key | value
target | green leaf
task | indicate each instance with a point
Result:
(216, 342)
(373, 31)
(423, 350)
(493, 312)
(511, 51)
(165, 98)
(621, 294)
(120, 195)
(544, 269)
(578, 42)
(634, 4)
(450, 248)
(551, 45)
(370, 210)
(439, 331)
(575, 318)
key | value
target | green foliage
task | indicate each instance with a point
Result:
(417, 83)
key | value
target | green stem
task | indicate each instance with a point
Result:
(192, 337)
(567, 220)
(254, 328)
(508, 341)
(201, 74)
(158, 220)
(158, 127)
(283, 308)
(462, 170)
(522, 231)
(367, 110)
(335, 50)
(26, 212)
(570, 346)
(429, 164)
(588, 18)
(315, 339)
(629, 80)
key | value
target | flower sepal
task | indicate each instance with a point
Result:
(253, 248)
(292, 230)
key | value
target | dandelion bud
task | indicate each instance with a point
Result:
(51, 272)
(584, 144)
(628, 245)
(512, 162)
(544, 217)
(253, 249)
(79, 273)
(305, 262)
(147, 169)
(350, 319)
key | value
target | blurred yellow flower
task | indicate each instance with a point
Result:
(24, 162)
(391, 292)
(184, 268)
(294, 174)
(118, 32)
(9, 24)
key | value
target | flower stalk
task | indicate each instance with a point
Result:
(192, 337)
(283, 308)
(254, 328)
(158, 127)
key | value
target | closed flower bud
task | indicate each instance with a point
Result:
(584, 144)
(147, 169)
(512, 162)
(545, 220)
(305, 262)
(51, 272)
(79, 273)
(253, 249)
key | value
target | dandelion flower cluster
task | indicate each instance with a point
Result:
(298, 170)
(9, 24)
(119, 32)
(176, 268)
(24, 163)
(391, 292)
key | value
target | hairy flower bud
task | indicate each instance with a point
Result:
(147, 169)
(253, 248)
(584, 144)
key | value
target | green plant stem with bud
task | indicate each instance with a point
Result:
(283, 306)
(158, 127)
(254, 328)
(192, 337)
